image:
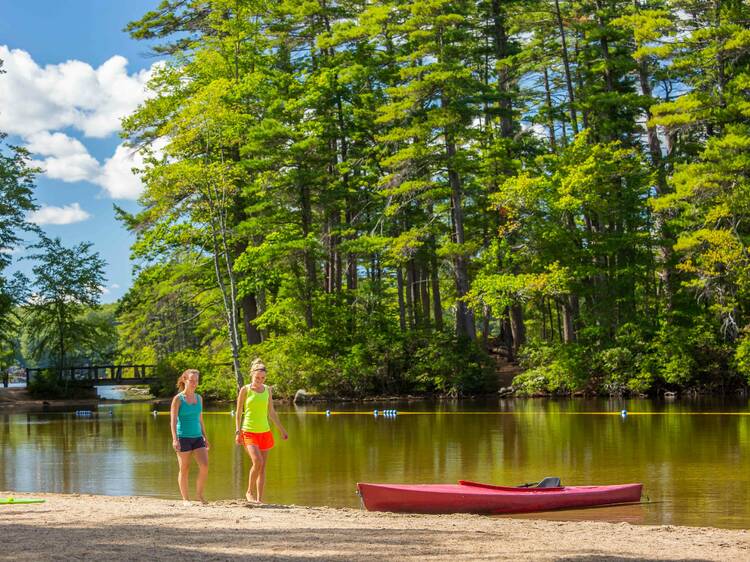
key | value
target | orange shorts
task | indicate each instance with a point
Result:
(263, 441)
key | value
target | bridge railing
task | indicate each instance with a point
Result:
(100, 374)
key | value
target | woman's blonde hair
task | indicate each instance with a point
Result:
(182, 380)
(257, 365)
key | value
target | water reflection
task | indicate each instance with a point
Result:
(691, 456)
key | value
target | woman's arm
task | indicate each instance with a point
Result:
(274, 416)
(203, 427)
(238, 415)
(173, 412)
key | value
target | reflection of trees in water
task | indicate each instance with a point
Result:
(683, 460)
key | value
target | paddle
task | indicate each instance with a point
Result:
(10, 501)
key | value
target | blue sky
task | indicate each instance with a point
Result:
(71, 73)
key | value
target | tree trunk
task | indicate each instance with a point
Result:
(249, 306)
(507, 333)
(500, 38)
(261, 300)
(410, 315)
(424, 292)
(464, 316)
(517, 327)
(551, 320)
(661, 187)
(550, 117)
(486, 319)
(566, 67)
(230, 315)
(570, 311)
(400, 290)
(309, 259)
(437, 305)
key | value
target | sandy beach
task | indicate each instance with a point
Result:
(77, 526)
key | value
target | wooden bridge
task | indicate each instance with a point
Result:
(101, 375)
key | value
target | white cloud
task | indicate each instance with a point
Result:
(71, 168)
(54, 144)
(66, 158)
(70, 94)
(37, 102)
(108, 290)
(116, 176)
(68, 214)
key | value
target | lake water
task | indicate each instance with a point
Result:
(692, 456)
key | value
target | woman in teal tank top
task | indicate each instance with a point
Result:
(189, 433)
(253, 432)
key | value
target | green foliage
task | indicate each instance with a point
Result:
(168, 310)
(550, 369)
(16, 197)
(67, 284)
(16, 200)
(216, 381)
(361, 193)
(48, 385)
(742, 358)
(376, 366)
(445, 365)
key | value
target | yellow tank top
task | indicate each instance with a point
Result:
(255, 414)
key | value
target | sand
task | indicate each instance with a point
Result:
(77, 526)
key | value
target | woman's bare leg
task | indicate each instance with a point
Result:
(262, 475)
(201, 456)
(183, 459)
(252, 483)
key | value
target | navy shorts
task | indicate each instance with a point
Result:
(188, 444)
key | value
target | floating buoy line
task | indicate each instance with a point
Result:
(395, 413)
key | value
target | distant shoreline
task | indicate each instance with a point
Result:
(18, 400)
(72, 526)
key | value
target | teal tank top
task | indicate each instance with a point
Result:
(189, 417)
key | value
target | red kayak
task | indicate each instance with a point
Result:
(472, 497)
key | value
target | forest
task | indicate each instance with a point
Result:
(398, 196)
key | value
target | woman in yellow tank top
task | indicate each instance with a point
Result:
(253, 432)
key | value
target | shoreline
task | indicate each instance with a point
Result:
(69, 526)
(17, 400)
